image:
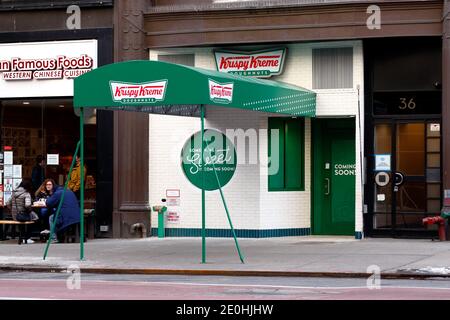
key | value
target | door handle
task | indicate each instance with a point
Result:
(328, 186)
(399, 178)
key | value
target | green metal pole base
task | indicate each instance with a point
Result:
(161, 227)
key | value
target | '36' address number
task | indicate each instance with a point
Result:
(405, 103)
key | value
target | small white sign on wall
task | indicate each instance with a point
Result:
(173, 193)
(435, 127)
(173, 216)
(173, 202)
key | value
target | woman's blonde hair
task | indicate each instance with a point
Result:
(42, 187)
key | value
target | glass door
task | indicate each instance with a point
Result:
(407, 178)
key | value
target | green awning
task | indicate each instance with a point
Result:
(154, 85)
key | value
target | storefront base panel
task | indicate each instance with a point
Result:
(404, 234)
(240, 233)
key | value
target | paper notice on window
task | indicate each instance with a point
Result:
(383, 162)
(8, 184)
(8, 157)
(17, 171)
(8, 173)
(53, 159)
(6, 196)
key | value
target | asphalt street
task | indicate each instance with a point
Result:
(25, 285)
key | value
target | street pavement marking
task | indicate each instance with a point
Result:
(22, 298)
(137, 283)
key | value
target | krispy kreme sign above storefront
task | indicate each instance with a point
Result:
(261, 64)
(44, 69)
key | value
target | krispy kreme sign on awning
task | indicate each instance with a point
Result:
(132, 93)
(261, 64)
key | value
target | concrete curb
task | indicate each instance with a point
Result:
(234, 273)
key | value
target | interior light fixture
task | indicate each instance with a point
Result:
(26, 102)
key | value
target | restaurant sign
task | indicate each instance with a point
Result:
(261, 64)
(44, 69)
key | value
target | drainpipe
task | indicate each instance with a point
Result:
(361, 150)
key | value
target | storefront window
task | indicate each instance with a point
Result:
(286, 164)
(39, 127)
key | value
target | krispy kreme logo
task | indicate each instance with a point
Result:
(261, 64)
(148, 92)
(220, 92)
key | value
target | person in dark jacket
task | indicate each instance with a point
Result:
(70, 210)
(38, 173)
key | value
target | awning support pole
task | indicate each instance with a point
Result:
(56, 215)
(81, 183)
(228, 215)
(202, 120)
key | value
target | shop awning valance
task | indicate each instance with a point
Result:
(161, 87)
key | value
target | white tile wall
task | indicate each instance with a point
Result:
(250, 204)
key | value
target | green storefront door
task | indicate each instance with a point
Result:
(334, 172)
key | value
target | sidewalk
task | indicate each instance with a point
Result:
(292, 256)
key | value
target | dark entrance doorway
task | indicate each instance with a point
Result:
(406, 174)
(402, 144)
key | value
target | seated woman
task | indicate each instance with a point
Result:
(41, 194)
(20, 204)
(70, 210)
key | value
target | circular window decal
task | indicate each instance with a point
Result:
(219, 159)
